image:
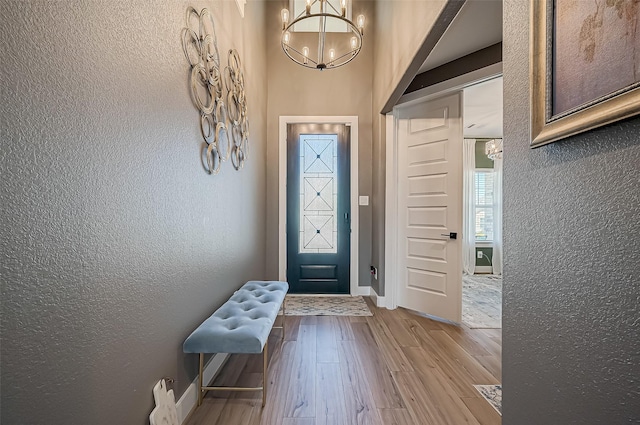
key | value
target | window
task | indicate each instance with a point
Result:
(298, 7)
(484, 204)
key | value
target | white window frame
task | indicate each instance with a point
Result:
(294, 13)
(486, 242)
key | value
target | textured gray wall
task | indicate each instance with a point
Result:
(571, 336)
(115, 243)
(378, 202)
(294, 90)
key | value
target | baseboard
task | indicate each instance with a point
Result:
(483, 269)
(377, 299)
(189, 399)
(364, 291)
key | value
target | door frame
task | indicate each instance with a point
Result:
(426, 94)
(349, 121)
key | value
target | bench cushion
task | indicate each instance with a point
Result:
(242, 324)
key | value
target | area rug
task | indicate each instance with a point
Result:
(482, 301)
(326, 306)
(493, 394)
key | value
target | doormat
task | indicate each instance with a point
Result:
(326, 306)
(493, 394)
(482, 301)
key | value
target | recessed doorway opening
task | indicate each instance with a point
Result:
(482, 206)
(425, 230)
(353, 218)
(318, 208)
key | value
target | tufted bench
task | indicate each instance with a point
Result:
(241, 325)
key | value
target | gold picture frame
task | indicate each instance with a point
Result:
(547, 127)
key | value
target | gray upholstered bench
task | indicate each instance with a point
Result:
(241, 325)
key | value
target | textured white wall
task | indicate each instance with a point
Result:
(571, 334)
(115, 243)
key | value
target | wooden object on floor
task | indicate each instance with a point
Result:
(393, 368)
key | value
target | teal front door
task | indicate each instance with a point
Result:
(318, 208)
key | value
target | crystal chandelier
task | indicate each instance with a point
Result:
(493, 149)
(322, 49)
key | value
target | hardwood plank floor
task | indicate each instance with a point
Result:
(394, 368)
(360, 406)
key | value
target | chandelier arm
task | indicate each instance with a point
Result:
(300, 53)
(316, 67)
(334, 9)
(322, 30)
(350, 52)
(303, 14)
(350, 55)
(354, 28)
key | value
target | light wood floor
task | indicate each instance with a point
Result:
(393, 368)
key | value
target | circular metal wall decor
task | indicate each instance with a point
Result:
(217, 94)
(237, 108)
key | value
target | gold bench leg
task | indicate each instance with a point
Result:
(284, 316)
(200, 379)
(265, 376)
(264, 373)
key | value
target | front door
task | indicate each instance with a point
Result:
(430, 207)
(318, 209)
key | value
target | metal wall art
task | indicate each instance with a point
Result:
(210, 87)
(237, 107)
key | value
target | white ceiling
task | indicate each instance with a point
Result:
(483, 110)
(476, 26)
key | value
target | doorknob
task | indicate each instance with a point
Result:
(451, 235)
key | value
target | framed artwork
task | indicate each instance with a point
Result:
(585, 65)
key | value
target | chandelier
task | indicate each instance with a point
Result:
(493, 149)
(322, 48)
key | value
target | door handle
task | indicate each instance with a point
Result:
(450, 235)
(346, 217)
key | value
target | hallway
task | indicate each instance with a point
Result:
(393, 368)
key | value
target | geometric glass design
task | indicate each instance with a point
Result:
(318, 154)
(318, 193)
(316, 229)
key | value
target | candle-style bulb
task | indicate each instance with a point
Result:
(308, 7)
(360, 23)
(285, 18)
(332, 55)
(305, 53)
(343, 6)
(354, 43)
(287, 37)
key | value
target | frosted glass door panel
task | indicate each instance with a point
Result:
(318, 194)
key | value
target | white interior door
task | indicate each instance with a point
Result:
(430, 207)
